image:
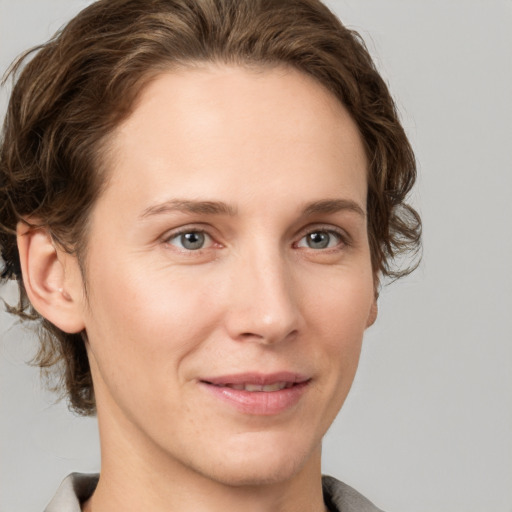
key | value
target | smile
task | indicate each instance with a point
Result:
(256, 394)
(278, 386)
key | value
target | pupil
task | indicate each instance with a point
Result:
(318, 240)
(192, 240)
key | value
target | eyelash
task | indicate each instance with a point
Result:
(342, 237)
(185, 231)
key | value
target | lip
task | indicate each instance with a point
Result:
(261, 403)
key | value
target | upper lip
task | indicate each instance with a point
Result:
(262, 379)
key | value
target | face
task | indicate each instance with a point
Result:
(228, 272)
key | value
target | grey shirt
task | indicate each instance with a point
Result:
(77, 487)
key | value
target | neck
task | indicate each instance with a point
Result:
(137, 475)
(158, 494)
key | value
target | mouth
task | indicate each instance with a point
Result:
(258, 394)
(257, 388)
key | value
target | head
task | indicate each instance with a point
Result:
(71, 97)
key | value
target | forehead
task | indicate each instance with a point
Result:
(219, 130)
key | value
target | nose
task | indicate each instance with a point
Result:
(263, 299)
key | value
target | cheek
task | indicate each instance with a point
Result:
(339, 316)
(145, 323)
(143, 333)
(342, 302)
(134, 288)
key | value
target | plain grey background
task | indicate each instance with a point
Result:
(428, 424)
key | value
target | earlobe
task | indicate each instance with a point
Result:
(372, 316)
(45, 279)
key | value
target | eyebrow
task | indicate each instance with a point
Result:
(333, 206)
(326, 206)
(190, 206)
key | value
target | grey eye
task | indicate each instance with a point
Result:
(191, 241)
(320, 240)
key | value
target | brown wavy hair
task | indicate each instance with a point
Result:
(70, 93)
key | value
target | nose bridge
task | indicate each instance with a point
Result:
(263, 305)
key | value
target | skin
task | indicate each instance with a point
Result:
(257, 297)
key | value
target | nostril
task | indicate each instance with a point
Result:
(249, 335)
(268, 338)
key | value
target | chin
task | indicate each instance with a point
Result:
(266, 466)
(250, 475)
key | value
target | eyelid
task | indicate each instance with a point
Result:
(344, 237)
(177, 232)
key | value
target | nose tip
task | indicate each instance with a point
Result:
(266, 332)
(263, 306)
(269, 330)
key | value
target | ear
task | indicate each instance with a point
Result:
(372, 316)
(50, 279)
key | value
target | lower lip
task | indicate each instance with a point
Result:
(261, 403)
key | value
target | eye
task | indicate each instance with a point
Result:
(321, 239)
(190, 240)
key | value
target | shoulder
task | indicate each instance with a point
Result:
(340, 497)
(73, 490)
(77, 487)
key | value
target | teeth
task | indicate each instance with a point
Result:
(274, 387)
(254, 387)
(277, 386)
